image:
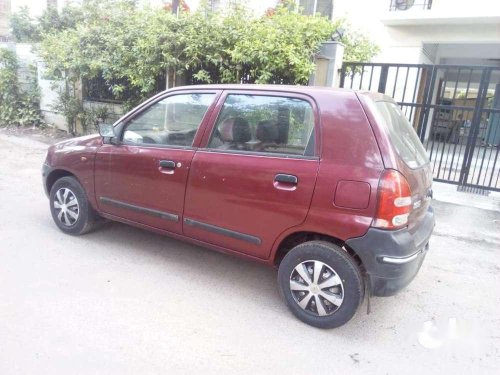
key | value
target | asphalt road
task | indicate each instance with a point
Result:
(124, 301)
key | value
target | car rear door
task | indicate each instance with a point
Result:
(143, 178)
(254, 175)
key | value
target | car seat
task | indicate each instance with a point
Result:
(267, 133)
(234, 132)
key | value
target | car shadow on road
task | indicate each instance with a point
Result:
(214, 269)
(140, 244)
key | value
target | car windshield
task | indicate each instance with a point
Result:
(403, 137)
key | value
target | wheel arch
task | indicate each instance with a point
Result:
(55, 175)
(299, 237)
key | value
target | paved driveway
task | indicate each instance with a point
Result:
(124, 301)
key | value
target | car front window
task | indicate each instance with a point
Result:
(171, 121)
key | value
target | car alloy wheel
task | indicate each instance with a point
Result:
(316, 288)
(66, 206)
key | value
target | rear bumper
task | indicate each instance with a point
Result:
(392, 259)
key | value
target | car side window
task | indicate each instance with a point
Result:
(171, 121)
(265, 124)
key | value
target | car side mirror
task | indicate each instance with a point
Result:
(107, 131)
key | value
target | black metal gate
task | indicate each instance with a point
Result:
(455, 110)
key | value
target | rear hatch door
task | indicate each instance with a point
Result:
(411, 158)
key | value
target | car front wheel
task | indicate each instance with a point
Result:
(321, 284)
(70, 208)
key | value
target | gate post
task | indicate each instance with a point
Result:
(493, 131)
(474, 128)
(384, 72)
(428, 94)
(328, 64)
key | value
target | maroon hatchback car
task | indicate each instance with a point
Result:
(332, 187)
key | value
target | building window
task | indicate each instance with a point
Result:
(399, 5)
(313, 7)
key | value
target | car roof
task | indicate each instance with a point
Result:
(231, 86)
(245, 86)
(311, 90)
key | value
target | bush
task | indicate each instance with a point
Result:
(131, 47)
(16, 106)
(26, 29)
(124, 43)
(9, 87)
(23, 27)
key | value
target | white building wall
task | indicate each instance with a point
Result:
(4, 17)
(401, 35)
(48, 98)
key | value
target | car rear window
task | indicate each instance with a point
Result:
(403, 137)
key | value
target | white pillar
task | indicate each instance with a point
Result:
(328, 64)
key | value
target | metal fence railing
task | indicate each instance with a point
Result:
(455, 110)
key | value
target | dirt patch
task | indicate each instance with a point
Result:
(45, 134)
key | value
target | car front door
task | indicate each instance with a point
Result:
(143, 178)
(255, 174)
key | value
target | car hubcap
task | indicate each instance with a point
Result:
(316, 288)
(66, 206)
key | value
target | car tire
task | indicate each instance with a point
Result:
(335, 283)
(70, 207)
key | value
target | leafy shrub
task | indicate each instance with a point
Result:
(9, 87)
(131, 47)
(137, 45)
(17, 106)
(24, 28)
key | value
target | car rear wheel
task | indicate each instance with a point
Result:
(321, 284)
(70, 208)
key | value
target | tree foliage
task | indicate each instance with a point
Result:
(23, 27)
(9, 91)
(137, 45)
(26, 29)
(280, 48)
(132, 46)
(17, 106)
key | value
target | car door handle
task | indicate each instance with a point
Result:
(286, 178)
(167, 164)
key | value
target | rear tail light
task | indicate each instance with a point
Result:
(394, 201)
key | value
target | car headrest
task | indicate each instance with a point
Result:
(267, 131)
(235, 129)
